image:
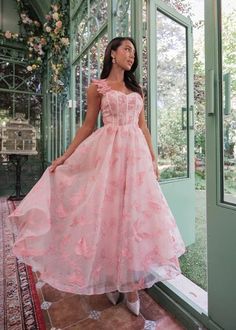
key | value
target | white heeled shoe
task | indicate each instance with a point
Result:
(113, 296)
(134, 307)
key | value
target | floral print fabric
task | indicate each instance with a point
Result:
(100, 222)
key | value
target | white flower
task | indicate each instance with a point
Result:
(55, 16)
(55, 7)
(65, 41)
(8, 34)
(36, 23)
(48, 29)
(29, 68)
(25, 19)
(41, 52)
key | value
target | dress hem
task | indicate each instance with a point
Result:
(81, 291)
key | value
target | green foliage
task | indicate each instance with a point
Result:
(47, 41)
(171, 173)
(57, 42)
(200, 180)
(230, 180)
(228, 46)
(172, 91)
(194, 261)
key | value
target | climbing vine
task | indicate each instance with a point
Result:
(45, 43)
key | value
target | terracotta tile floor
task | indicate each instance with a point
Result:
(80, 312)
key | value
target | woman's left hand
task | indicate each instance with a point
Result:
(156, 170)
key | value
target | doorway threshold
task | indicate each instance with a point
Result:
(189, 291)
(185, 299)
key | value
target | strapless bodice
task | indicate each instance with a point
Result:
(117, 107)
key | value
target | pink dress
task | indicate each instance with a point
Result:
(100, 222)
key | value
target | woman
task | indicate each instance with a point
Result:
(97, 221)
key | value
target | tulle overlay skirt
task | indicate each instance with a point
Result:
(100, 222)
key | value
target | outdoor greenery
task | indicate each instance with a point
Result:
(171, 94)
(194, 261)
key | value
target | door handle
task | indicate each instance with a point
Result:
(227, 81)
(184, 118)
(210, 92)
(191, 117)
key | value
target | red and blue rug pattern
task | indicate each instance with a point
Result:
(19, 302)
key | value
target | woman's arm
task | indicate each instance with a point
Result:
(143, 125)
(93, 106)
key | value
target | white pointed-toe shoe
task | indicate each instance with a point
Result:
(134, 307)
(113, 296)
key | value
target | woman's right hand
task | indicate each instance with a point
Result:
(56, 162)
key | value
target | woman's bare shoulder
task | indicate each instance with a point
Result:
(92, 89)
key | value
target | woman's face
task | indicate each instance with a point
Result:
(124, 55)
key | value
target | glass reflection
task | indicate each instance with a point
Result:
(171, 98)
(229, 100)
(93, 16)
(123, 18)
(89, 67)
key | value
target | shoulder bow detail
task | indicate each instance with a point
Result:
(102, 86)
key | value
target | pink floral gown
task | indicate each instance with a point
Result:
(100, 222)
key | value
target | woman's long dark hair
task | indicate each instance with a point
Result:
(129, 77)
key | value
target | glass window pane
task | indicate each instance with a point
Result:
(98, 9)
(123, 18)
(81, 36)
(144, 75)
(184, 6)
(89, 66)
(229, 100)
(171, 98)
(81, 87)
(91, 19)
(94, 60)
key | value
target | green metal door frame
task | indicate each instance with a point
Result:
(221, 216)
(182, 204)
(190, 315)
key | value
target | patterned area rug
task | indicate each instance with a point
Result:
(19, 303)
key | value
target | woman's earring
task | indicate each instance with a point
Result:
(113, 60)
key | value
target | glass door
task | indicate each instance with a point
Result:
(171, 110)
(220, 18)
